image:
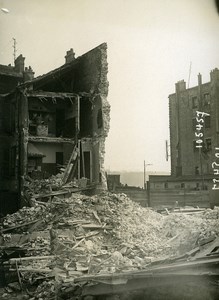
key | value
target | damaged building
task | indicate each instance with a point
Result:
(56, 123)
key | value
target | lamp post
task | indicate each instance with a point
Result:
(145, 173)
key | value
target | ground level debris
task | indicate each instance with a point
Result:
(55, 247)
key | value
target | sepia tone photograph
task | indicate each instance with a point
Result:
(109, 149)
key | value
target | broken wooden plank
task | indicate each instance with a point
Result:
(46, 94)
(20, 259)
(67, 172)
(70, 164)
(46, 139)
(96, 216)
(208, 240)
(167, 211)
(18, 226)
(64, 191)
(87, 235)
(18, 275)
(172, 239)
(34, 270)
(77, 244)
(95, 226)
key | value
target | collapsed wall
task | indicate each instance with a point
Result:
(106, 113)
(91, 73)
(88, 76)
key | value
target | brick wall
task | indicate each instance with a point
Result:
(182, 115)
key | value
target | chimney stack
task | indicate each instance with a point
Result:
(19, 64)
(199, 79)
(180, 85)
(28, 74)
(70, 56)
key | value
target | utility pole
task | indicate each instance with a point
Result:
(190, 69)
(145, 166)
(14, 47)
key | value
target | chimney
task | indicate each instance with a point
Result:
(19, 64)
(214, 75)
(180, 85)
(28, 74)
(70, 56)
(199, 79)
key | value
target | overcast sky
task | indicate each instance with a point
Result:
(150, 46)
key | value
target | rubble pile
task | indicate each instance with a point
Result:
(66, 238)
(42, 186)
(25, 214)
(184, 232)
(26, 217)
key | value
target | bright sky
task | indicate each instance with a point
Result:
(150, 47)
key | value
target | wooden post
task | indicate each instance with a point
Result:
(77, 132)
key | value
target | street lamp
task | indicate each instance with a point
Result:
(145, 166)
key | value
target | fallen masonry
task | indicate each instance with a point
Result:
(103, 245)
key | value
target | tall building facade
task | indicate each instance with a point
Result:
(194, 128)
(194, 147)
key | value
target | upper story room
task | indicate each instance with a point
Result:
(64, 115)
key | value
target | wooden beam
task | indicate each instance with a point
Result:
(45, 94)
(46, 139)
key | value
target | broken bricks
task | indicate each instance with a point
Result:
(105, 233)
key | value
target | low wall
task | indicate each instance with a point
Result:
(184, 197)
(137, 195)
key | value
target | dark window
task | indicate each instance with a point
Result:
(70, 128)
(85, 118)
(196, 170)
(194, 123)
(60, 122)
(182, 185)
(207, 122)
(208, 144)
(197, 185)
(206, 98)
(85, 165)
(194, 102)
(166, 185)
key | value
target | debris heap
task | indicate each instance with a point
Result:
(67, 238)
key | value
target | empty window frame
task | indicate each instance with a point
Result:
(207, 121)
(206, 99)
(208, 144)
(166, 185)
(194, 102)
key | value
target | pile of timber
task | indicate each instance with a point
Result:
(65, 239)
